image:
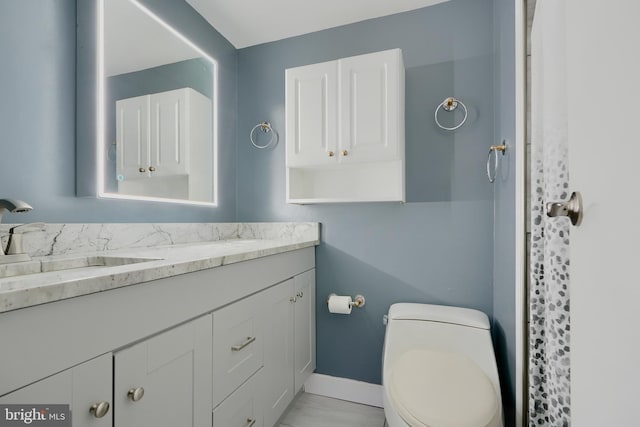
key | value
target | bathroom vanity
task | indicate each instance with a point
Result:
(197, 334)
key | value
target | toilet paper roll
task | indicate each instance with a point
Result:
(339, 304)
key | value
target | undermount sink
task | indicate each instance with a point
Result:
(62, 264)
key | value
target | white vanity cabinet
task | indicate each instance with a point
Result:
(223, 346)
(165, 381)
(85, 387)
(345, 130)
(289, 350)
(166, 136)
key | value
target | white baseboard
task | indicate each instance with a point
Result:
(344, 389)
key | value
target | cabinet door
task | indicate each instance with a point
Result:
(174, 370)
(370, 102)
(278, 350)
(238, 343)
(304, 326)
(81, 387)
(132, 137)
(311, 114)
(169, 133)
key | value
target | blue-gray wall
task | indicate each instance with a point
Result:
(436, 248)
(504, 244)
(38, 125)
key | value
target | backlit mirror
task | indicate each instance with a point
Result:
(157, 106)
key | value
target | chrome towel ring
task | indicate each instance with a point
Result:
(494, 149)
(450, 104)
(266, 128)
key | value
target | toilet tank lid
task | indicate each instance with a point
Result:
(439, 313)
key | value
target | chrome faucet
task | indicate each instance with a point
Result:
(11, 205)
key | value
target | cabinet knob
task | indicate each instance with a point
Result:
(330, 153)
(152, 169)
(300, 294)
(135, 394)
(100, 409)
(142, 170)
(251, 422)
(345, 153)
(293, 299)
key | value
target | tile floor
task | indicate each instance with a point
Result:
(310, 410)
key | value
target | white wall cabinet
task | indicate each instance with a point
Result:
(290, 346)
(312, 114)
(86, 388)
(345, 130)
(165, 135)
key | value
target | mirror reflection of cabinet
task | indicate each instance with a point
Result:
(163, 145)
(141, 54)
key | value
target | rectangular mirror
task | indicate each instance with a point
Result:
(155, 130)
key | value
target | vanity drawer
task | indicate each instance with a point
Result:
(237, 345)
(243, 408)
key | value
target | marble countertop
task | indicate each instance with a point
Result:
(163, 261)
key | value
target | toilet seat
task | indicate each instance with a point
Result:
(436, 389)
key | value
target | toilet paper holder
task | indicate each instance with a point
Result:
(357, 301)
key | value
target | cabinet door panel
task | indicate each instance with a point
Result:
(278, 350)
(132, 137)
(80, 387)
(168, 133)
(304, 327)
(370, 107)
(174, 368)
(237, 345)
(243, 407)
(311, 114)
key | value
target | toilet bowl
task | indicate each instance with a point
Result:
(439, 368)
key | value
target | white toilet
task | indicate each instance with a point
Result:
(439, 368)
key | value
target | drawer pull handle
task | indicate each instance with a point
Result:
(99, 410)
(251, 422)
(243, 345)
(135, 394)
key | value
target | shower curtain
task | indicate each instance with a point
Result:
(549, 328)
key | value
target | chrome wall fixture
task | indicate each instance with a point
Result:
(450, 104)
(265, 127)
(494, 149)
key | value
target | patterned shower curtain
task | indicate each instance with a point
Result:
(549, 327)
